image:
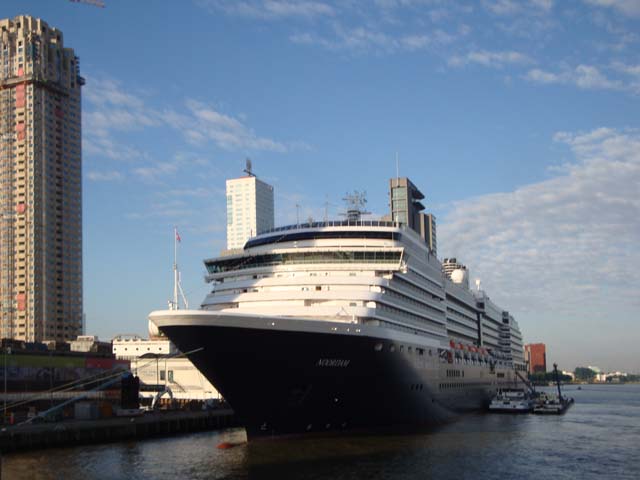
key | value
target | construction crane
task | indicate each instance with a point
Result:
(95, 3)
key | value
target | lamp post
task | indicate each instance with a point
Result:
(6, 351)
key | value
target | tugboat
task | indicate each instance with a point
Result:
(512, 401)
(550, 404)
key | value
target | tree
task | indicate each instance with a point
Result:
(584, 374)
(546, 377)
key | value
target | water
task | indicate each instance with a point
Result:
(599, 437)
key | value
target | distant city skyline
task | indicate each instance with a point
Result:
(518, 120)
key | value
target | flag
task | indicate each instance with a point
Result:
(178, 236)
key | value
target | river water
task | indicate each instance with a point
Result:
(599, 437)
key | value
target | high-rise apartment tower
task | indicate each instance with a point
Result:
(40, 183)
(250, 209)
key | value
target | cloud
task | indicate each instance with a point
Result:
(113, 112)
(109, 176)
(365, 39)
(548, 246)
(586, 77)
(203, 123)
(166, 209)
(544, 5)
(155, 172)
(198, 192)
(513, 7)
(108, 91)
(633, 70)
(502, 7)
(630, 8)
(269, 9)
(489, 59)
(633, 75)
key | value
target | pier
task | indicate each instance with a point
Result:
(81, 432)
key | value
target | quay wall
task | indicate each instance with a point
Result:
(27, 437)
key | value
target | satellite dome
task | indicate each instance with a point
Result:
(459, 276)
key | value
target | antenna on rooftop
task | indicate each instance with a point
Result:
(326, 208)
(248, 168)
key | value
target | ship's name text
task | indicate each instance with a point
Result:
(332, 362)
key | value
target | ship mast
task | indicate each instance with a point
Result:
(177, 284)
(356, 206)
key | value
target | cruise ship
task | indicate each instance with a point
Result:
(348, 325)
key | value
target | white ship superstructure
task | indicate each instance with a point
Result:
(364, 272)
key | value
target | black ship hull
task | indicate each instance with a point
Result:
(281, 381)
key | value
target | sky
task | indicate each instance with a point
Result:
(518, 119)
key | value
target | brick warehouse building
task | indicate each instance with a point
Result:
(535, 354)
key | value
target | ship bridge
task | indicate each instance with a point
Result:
(360, 229)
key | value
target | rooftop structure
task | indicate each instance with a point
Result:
(159, 365)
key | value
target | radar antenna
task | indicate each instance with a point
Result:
(356, 203)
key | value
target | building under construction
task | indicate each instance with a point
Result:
(40, 183)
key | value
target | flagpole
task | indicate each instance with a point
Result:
(175, 269)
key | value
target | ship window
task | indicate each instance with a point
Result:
(162, 375)
(292, 258)
(318, 288)
(392, 348)
(420, 351)
(378, 347)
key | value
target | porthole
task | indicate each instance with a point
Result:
(377, 347)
